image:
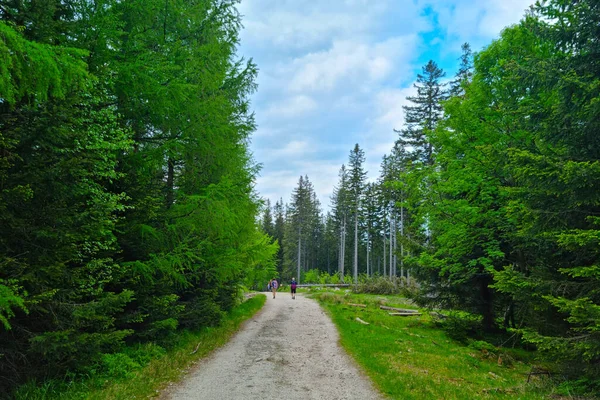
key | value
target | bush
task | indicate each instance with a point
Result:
(201, 312)
(117, 365)
(378, 285)
(312, 276)
(462, 326)
(144, 353)
(332, 298)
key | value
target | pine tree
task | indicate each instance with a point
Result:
(279, 232)
(267, 220)
(465, 72)
(302, 228)
(341, 211)
(422, 118)
(356, 186)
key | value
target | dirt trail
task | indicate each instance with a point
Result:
(289, 350)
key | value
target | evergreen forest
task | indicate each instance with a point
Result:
(128, 211)
(489, 200)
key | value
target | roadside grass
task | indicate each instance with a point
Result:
(412, 358)
(142, 372)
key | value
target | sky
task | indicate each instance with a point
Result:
(333, 73)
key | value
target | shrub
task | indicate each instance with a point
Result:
(462, 326)
(378, 285)
(117, 365)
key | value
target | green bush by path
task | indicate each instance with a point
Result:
(141, 371)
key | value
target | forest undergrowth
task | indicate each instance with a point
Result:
(415, 357)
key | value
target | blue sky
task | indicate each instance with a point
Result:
(333, 73)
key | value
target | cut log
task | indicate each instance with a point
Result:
(361, 321)
(404, 314)
(357, 305)
(402, 310)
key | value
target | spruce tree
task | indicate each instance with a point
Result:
(341, 212)
(356, 186)
(422, 118)
(465, 72)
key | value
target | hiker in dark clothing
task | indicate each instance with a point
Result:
(293, 287)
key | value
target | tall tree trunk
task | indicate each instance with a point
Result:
(356, 248)
(395, 249)
(170, 182)
(391, 247)
(299, 253)
(402, 241)
(343, 249)
(384, 255)
(368, 253)
(486, 307)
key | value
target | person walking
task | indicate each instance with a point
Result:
(274, 286)
(293, 288)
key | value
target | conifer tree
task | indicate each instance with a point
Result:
(341, 212)
(267, 220)
(465, 72)
(356, 186)
(422, 117)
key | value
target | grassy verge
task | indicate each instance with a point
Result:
(412, 358)
(158, 372)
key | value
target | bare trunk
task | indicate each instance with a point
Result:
(391, 247)
(343, 249)
(170, 182)
(402, 242)
(368, 252)
(395, 249)
(384, 255)
(299, 252)
(356, 248)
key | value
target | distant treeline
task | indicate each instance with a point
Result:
(126, 202)
(490, 196)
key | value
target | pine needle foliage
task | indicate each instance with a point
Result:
(127, 210)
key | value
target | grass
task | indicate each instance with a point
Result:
(412, 358)
(158, 373)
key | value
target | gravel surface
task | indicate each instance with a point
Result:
(288, 350)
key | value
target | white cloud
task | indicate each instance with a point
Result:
(292, 107)
(348, 62)
(476, 22)
(333, 73)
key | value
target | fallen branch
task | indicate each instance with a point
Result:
(402, 310)
(404, 314)
(361, 321)
(196, 349)
(538, 371)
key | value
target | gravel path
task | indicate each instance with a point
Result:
(289, 350)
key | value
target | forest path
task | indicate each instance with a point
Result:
(288, 350)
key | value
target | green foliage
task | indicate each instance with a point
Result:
(118, 365)
(140, 370)
(37, 71)
(8, 301)
(510, 205)
(127, 210)
(312, 276)
(379, 285)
